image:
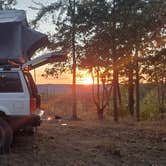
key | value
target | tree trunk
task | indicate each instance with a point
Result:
(115, 84)
(162, 94)
(162, 98)
(131, 91)
(119, 98)
(118, 91)
(98, 86)
(100, 114)
(74, 104)
(137, 91)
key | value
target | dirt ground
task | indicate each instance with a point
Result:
(87, 143)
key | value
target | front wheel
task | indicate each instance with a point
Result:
(6, 136)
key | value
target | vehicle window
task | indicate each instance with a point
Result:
(33, 89)
(31, 85)
(10, 82)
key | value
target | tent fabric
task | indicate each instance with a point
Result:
(32, 41)
(17, 41)
(7, 16)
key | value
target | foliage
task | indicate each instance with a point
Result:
(149, 106)
(65, 38)
(7, 4)
(112, 39)
(114, 31)
(155, 68)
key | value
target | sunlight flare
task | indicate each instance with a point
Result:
(87, 81)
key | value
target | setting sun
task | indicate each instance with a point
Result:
(87, 81)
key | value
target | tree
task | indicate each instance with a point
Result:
(106, 34)
(7, 4)
(141, 20)
(158, 70)
(98, 68)
(151, 24)
(73, 11)
(95, 50)
(125, 27)
(155, 66)
(101, 23)
(64, 38)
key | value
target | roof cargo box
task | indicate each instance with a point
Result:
(18, 41)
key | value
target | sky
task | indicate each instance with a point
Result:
(65, 78)
(26, 4)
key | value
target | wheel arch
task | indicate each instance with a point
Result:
(2, 114)
(3, 111)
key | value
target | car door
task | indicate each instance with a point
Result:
(14, 98)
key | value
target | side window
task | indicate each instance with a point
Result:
(28, 84)
(31, 85)
(10, 82)
(33, 89)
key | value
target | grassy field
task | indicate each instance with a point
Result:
(88, 142)
(57, 99)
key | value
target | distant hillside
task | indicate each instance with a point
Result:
(82, 89)
(62, 88)
(58, 88)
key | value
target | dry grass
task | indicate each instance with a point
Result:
(60, 104)
(93, 143)
(88, 142)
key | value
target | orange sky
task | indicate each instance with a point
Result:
(83, 78)
(65, 78)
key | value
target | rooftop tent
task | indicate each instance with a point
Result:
(17, 41)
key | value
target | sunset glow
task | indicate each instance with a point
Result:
(87, 81)
(83, 77)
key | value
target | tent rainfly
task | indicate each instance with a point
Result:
(18, 41)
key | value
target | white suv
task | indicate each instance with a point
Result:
(18, 94)
(19, 98)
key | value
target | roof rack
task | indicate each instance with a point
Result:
(9, 65)
(51, 57)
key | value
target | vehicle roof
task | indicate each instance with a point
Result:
(7, 16)
(18, 42)
(9, 69)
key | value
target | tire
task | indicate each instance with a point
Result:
(6, 134)
(2, 139)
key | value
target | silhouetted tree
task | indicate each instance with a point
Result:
(7, 4)
(106, 34)
(64, 38)
(98, 68)
(95, 51)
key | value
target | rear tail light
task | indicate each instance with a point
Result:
(33, 104)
